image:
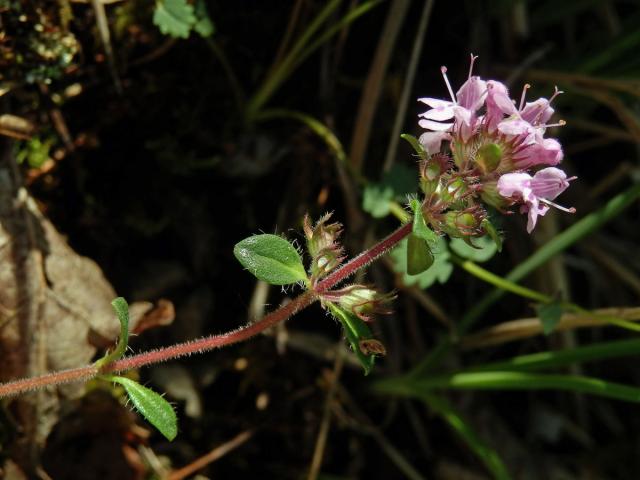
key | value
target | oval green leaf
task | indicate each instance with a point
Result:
(151, 406)
(419, 256)
(270, 258)
(356, 332)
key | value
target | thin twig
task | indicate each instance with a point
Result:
(105, 36)
(620, 270)
(373, 85)
(401, 113)
(286, 38)
(215, 454)
(365, 425)
(529, 327)
(238, 93)
(325, 423)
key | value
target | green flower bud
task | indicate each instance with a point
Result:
(361, 300)
(321, 236)
(460, 224)
(431, 172)
(488, 157)
(322, 244)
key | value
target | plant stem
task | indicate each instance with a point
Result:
(214, 341)
(65, 376)
(364, 259)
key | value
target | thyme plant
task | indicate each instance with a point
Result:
(481, 151)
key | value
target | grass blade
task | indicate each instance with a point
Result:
(487, 455)
(505, 380)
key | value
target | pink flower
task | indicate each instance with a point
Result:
(524, 127)
(498, 103)
(462, 108)
(538, 112)
(537, 150)
(528, 116)
(494, 145)
(535, 193)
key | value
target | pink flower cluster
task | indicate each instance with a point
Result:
(499, 143)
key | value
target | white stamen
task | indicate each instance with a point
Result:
(473, 59)
(559, 207)
(524, 94)
(446, 81)
(561, 123)
(555, 94)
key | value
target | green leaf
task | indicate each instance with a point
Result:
(151, 406)
(485, 248)
(375, 200)
(396, 184)
(271, 258)
(415, 144)
(419, 255)
(122, 312)
(401, 179)
(356, 331)
(549, 315)
(204, 26)
(174, 17)
(440, 271)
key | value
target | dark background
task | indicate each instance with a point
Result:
(164, 178)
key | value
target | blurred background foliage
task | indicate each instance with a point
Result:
(156, 135)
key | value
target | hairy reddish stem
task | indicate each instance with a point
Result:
(364, 259)
(214, 341)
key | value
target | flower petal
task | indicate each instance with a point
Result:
(533, 209)
(436, 126)
(498, 96)
(538, 112)
(514, 184)
(432, 141)
(436, 102)
(472, 93)
(543, 151)
(515, 126)
(439, 113)
(549, 183)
